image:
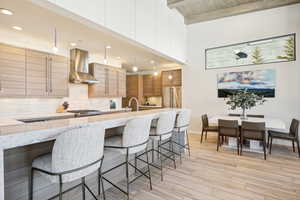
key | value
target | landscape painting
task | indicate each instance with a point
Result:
(262, 82)
(270, 50)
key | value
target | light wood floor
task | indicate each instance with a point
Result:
(211, 175)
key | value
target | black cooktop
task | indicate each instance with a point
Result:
(85, 113)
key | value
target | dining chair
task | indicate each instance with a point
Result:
(254, 131)
(206, 127)
(291, 135)
(228, 128)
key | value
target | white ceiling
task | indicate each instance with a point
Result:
(38, 32)
(203, 10)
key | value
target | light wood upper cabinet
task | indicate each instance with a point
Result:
(112, 81)
(47, 75)
(36, 73)
(152, 85)
(100, 72)
(121, 83)
(171, 78)
(29, 73)
(58, 76)
(12, 71)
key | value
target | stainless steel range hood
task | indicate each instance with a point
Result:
(79, 67)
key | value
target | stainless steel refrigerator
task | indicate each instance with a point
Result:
(172, 97)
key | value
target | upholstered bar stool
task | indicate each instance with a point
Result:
(162, 134)
(76, 153)
(134, 139)
(181, 126)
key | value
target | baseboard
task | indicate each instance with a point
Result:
(194, 132)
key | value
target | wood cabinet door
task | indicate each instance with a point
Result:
(12, 71)
(176, 80)
(147, 85)
(37, 84)
(112, 82)
(58, 76)
(100, 89)
(121, 83)
(157, 87)
(132, 86)
(171, 78)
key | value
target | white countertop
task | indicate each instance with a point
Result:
(24, 134)
(13, 120)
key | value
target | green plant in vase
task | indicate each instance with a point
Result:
(245, 100)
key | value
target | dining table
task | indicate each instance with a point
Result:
(254, 146)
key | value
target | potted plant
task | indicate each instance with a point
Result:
(245, 100)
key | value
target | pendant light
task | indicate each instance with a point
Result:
(105, 61)
(155, 73)
(55, 48)
(134, 67)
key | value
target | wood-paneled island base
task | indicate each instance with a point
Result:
(19, 144)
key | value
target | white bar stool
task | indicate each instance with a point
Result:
(76, 153)
(134, 139)
(181, 127)
(162, 133)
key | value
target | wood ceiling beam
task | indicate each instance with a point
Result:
(241, 9)
(175, 3)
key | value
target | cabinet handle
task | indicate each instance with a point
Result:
(50, 74)
(46, 74)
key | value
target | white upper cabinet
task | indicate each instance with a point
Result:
(177, 35)
(120, 17)
(92, 9)
(145, 22)
(163, 42)
(149, 22)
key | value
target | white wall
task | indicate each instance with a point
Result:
(200, 85)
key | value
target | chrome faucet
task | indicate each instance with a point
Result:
(137, 102)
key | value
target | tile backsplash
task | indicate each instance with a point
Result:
(78, 99)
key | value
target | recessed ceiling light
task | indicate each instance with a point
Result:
(73, 44)
(155, 73)
(18, 28)
(152, 61)
(135, 69)
(170, 77)
(6, 11)
(108, 47)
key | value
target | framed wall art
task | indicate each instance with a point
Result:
(262, 82)
(269, 50)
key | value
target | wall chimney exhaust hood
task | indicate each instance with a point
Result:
(79, 67)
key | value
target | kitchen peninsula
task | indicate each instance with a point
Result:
(19, 144)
